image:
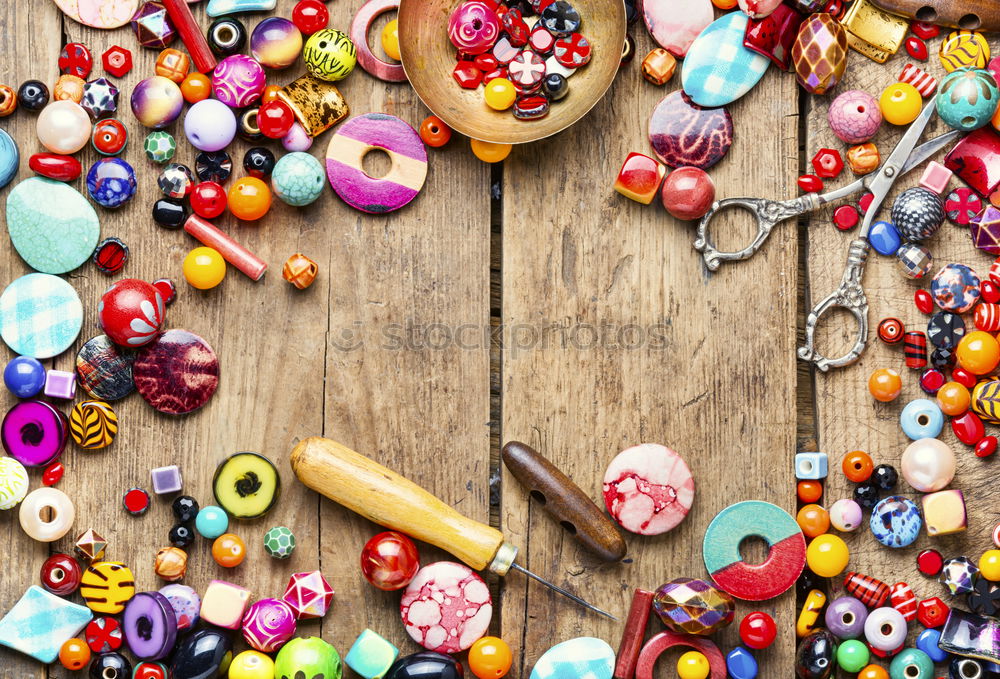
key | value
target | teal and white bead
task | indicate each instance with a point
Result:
(159, 146)
(580, 658)
(371, 655)
(52, 226)
(297, 178)
(40, 623)
(13, 482)
(279, 542)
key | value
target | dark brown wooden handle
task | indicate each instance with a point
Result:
(981, 15)
(565, 501)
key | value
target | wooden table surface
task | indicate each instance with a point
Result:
(523, 301)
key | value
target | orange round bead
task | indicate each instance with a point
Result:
(813, 520)
(873, 672)
(809, 491)
(490, 658)
(435, 132)
(195, 87)
(74, 654)
(857, 466)
(978, 352)
(953, 398)
(885, 384)
(724, 4)
(488, 152)
(228, 550)
(249, 199)
(270, 94)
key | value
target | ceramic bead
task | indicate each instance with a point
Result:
(921, 419)
(309, 595)
(473, 27)
(854, 116)
(33, 95)
(928, 465)
(718, 69)
(964, 49)
(224, 604)
(895, 521)
(371, 656)
(944, 512)
(63, 127)
(852, 656)
(845, 515)
(890, 330)
(298, 179)
(210, 125)
(935, 177)
(166, 479)
(774, 35)
(330, 55)
(279, 542)
(40, 623)
(268, 624)
(967, 99)
(912, 663)
(900, 104)
(211, 522)
(810, 465)
(809, 614)
(62, 514)
(845, 617)
(885, 629)
(238, 81)
(109, 137)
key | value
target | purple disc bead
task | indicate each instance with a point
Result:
(238, 81)
(150, 626)
(845, 617)
(268, 624)
(34, 433)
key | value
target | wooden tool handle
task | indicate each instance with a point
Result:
(388, 499)
(565, 501)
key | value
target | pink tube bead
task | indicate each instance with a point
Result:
(234, 253)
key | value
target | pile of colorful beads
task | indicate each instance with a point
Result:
(522, 54)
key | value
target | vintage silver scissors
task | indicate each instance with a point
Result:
(850, 295)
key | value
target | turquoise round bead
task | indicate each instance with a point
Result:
(852, 656)
(911, 663)
(967, 98)
(211, 522)
(298, 178)
(921, 419)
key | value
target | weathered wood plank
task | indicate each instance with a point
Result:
(615, 335)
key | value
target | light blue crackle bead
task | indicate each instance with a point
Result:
(9, 158)
(217, 8)
(298, 178)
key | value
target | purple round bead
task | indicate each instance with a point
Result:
(276, 43)
(845, 617)
(238, 81)
(268, 624)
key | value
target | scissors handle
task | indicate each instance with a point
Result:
(766, 212)
(850, 295)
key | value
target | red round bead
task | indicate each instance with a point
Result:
(846, 217)
(310, 16)
(109, 137)
(149, 670)
(866, 201)
(757, 630)
(75, 59)
(923, 300)
(275, 119)
(167, 289)
(968, 428)
(964, 377)
(389, 560)
(986, 447)
(208, 200)
(989, 291)
(810, 183)
(61, 574)
(930, 562)
(931, 380)
(53, 474)
(130, 312)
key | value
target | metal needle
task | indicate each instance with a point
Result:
(574, 597)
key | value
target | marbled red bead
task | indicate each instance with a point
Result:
(810, 183)
(986, 446)
(389, 561)
(923, 300)
(968, 428)
(930, 562)
(916, 48)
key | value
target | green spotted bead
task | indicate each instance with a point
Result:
(279, 542)
(298, 178)
(912, 663)
(159, 146)
(852, 656)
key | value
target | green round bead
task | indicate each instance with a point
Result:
(911, 658)
(279, 542)
(159, 146)
(309, 658)
(298, 178)
(852, 656)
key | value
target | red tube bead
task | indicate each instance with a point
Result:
(191, 35)
(633, 635)
(234, 253)
(870, 591)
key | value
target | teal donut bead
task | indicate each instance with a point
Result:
(921, 418)
(967, 98)
(911, 663)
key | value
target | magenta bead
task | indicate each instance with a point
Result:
(390, 561)
(268, 624)
(238, 81)
(854, 117)
(473, 27)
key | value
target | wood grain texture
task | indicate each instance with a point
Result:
(847, 418)
(615, 335)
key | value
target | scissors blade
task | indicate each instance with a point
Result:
(926, 150)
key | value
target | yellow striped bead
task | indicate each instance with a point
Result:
(93, 424)
(964, 49)
(107, 586)
(986, 400)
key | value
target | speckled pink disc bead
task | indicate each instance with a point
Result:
(473, 27)
(854, 117)
(238, 81)
(648, 489)
(268, 624)
(446, 607)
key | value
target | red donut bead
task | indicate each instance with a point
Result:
(61, 574)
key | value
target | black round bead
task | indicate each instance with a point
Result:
(33, 95)
(110, 666)
(227, 36)
(885, 477)
(942, 358)
(258, 162)
(169, 213)
(555, 86)
(185, 508)
(181, 536)
(213, 166)
(867, 495)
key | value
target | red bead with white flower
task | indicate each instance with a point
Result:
(131, 312)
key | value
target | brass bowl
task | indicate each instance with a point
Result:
(429, 58)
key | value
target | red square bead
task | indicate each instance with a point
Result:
(640, 178)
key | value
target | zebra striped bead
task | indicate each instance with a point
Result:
(93, 424)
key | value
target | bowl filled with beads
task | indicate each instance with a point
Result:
(510, 72)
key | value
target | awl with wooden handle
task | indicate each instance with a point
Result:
(386, 498)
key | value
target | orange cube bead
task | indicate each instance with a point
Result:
(857, 466)
(173, 64)
(954, 398)
(658, 67)
(885, 384)
(809, 491)
(640, 178)
(813, 520)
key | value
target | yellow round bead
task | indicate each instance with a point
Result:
(204, 268)
(989, 565)
(488, 152)
(390, 39)
(900, 103)
(500, 94)
(251, 665)
(827, 555)
(693, 665)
